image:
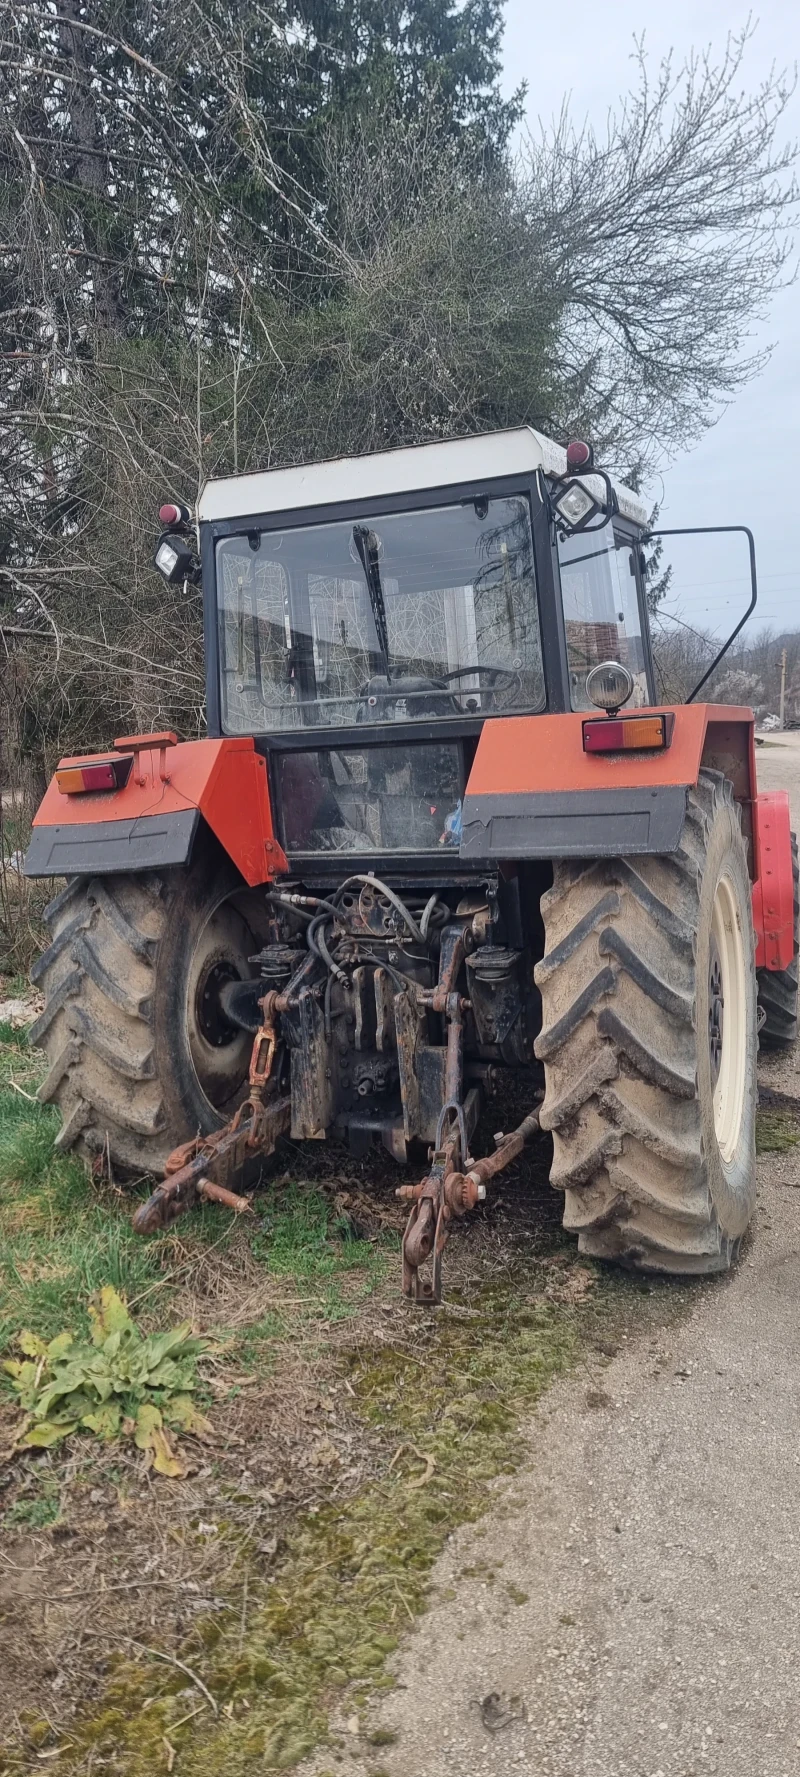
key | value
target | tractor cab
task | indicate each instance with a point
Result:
(365, 640)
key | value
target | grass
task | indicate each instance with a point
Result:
(776, 1132)
(37, 1510)
(61, 1239)
(16, 987)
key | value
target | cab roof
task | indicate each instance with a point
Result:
(416, 468)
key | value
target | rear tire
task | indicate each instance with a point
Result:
(778, 989)
(650, 1081)
(137, 1062)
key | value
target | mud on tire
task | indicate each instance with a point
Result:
(131, 1067)
(654, 1151)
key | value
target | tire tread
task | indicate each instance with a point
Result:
(619, 1047)
(96, 1029)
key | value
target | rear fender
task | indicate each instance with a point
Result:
(152, 822)
(534, 793)
(773, 893)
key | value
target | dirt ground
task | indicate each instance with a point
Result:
(778, 766)
(630, 1608)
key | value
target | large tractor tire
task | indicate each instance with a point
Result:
(140, 1055)
(649, 1042)
(778, 988)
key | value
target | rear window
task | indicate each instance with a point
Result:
(382, 799)
(419, 615)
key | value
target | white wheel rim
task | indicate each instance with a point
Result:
(728, 1055)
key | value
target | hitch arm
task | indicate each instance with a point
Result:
(446, 1193)
(203, 1174)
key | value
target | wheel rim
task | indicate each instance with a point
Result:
(727, 1018)
(219, 1050)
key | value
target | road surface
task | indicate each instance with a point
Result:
(637, 1588)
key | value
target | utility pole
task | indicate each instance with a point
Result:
(783, 686)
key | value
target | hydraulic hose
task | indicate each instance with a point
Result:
(427, 914)
(302, 901)
(317, 943)
(284, 901)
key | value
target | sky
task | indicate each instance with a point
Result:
(736, 473)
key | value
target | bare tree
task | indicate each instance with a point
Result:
(669, 238)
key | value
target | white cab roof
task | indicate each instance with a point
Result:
(416, 468)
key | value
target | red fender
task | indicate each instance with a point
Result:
(225, 779)
(773, 893)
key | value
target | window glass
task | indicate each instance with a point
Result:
(601, 610)
(420, 614)
(384, 799)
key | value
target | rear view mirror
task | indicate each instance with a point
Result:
(699, 598)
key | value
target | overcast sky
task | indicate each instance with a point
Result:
(747, 467)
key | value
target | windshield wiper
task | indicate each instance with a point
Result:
(366, 543)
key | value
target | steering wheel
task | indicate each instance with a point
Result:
(418, 691)
(501, 678)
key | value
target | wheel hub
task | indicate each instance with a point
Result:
(716, 1010)
(212, 1021)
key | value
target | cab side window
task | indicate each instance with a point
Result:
(602, 611)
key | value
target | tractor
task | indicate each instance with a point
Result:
(440, 829)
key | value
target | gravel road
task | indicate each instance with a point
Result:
(778, 767)
(637, 1587)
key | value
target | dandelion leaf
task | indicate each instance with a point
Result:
(47, 1432)
(108, 1315)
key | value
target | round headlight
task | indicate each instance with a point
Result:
(609, 685)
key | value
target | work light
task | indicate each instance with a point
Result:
(575, 505)
(174, 558)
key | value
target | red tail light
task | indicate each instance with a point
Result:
(579, 456)
(75, 779)
(628, 734)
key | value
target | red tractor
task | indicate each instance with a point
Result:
(440, 827)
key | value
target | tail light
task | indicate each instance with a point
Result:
(76, 778)
(628, 734)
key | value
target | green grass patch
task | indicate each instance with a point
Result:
(14, 987)
(301, 1235)
(37, 1510)
(59, 1241)
(776, 1131)
(62, 1239)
